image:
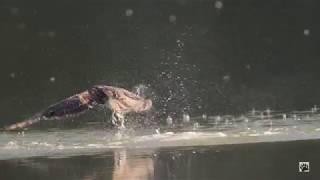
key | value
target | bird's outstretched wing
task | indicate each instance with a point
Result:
(69, 107)
(118, 100)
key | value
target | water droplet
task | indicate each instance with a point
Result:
(52, 79)
(21, 26)
(226, 78)
(51, 34)
(253, 112)
(314, 109)
(218, 4)
(294, 117)
(306, 32)
(284, 116)
(169, 120)
(186, 117)
(12, 75)
(196, 125)
(172, 19)
(268, 111)
(129, 12)
(157, 131)
(204, 116)
(14, 11)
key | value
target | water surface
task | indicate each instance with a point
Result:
(263, 146)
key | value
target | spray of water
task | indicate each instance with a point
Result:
(176, 82)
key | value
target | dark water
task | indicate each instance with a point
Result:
(246, 161)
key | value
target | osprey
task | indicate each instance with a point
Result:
(120, 101)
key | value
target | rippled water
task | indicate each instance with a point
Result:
(251, 146)
(256, 126)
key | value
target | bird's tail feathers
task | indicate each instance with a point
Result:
(22, 124)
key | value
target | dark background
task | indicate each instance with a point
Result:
(192, 54)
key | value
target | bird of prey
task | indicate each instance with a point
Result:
(120, 101)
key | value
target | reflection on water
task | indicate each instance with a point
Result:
(120, 164)
(246, 161)
(132, 168)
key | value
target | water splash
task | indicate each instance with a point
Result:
(141, 90)
(214, 130)
(177, 79)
